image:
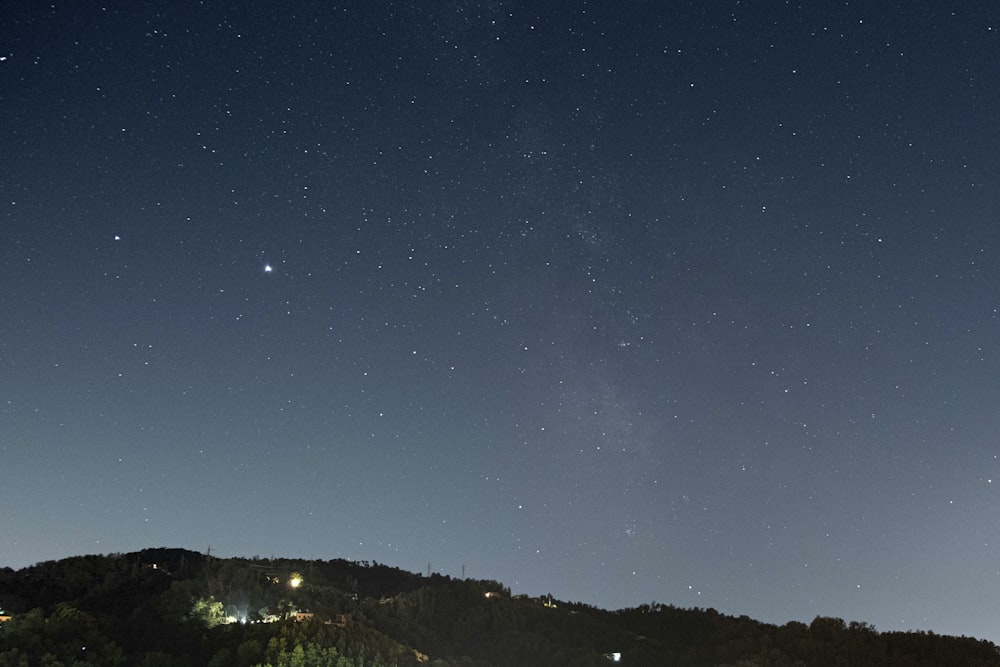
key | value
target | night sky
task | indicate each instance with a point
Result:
(686, 302)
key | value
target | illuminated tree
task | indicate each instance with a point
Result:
(209, 611)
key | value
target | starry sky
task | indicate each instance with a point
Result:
(686, 302)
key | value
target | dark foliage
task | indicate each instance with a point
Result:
(174, 608)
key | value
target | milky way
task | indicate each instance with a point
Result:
(685, 302)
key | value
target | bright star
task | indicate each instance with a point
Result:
(267, 268)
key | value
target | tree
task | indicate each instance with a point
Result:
(249, 653)
(208, 611)
(67, 636)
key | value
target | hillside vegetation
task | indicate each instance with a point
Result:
(176, 608)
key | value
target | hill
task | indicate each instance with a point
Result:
(174, 608)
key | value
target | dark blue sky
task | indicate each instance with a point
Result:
(686, 302)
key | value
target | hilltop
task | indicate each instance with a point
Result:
(174, 607)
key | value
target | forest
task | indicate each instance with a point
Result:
(179, 608)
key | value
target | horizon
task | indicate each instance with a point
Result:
(626, 302)
(514, 592)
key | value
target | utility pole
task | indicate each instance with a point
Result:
(463, 570)
(428, 570)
